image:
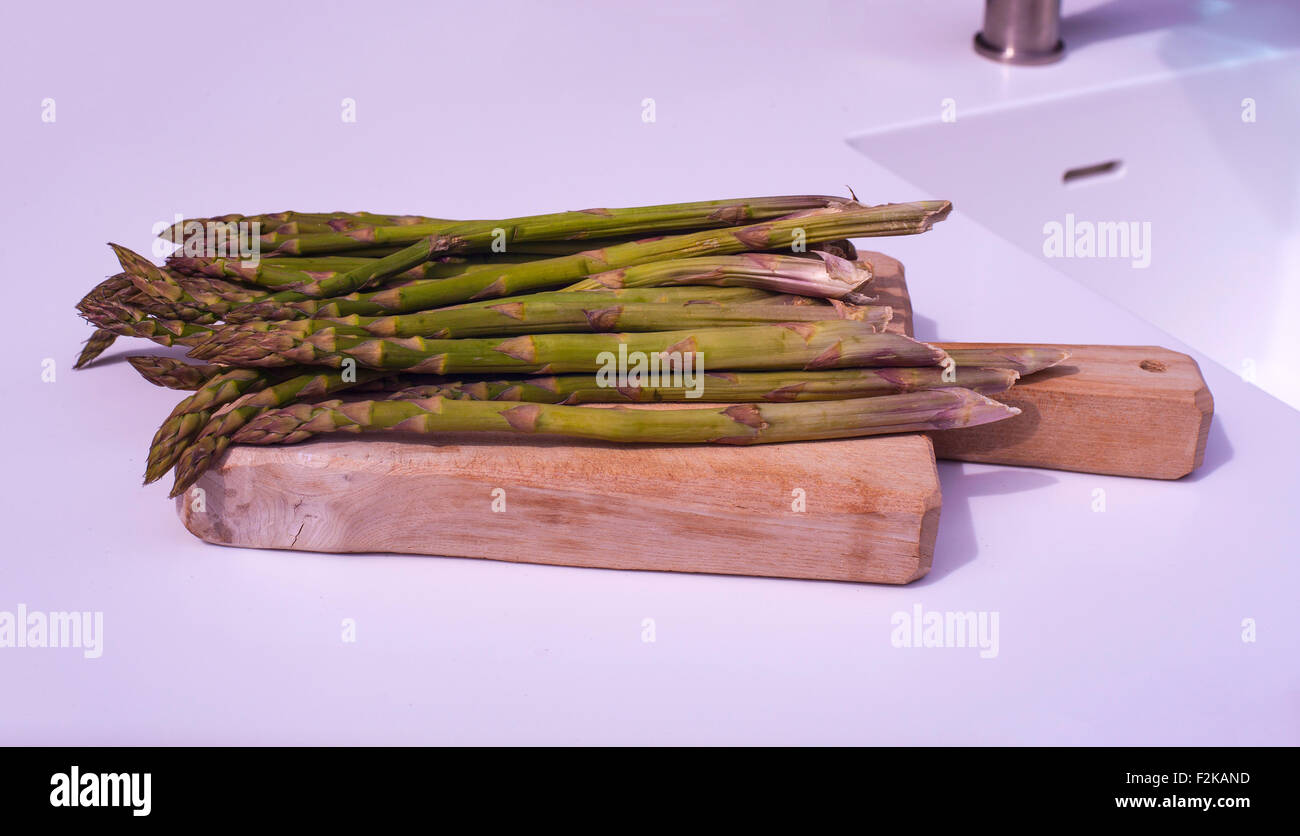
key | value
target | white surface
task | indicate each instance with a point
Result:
(1117, 627)
(1210, 250)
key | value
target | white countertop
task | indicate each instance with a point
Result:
(1122, 627)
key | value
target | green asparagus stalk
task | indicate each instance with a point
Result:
(111, 288)
(145, 275)
(781, 386)
(117, 292)
(378, 271)
(1025, 359)
(206, 303)
(532, 251)
(190, 415)
(116, 306)
(818, 274)
(99, 340)
(514, 316)
(173, 374)
(267, 272)
(136, 304)
(424, 240)
(587, 223)
(300, 223)
(932, 409)
(191, 298)
(639, 309)
(289, 223)
(720, 387)
(377, 304)
(193, 456)
(791, 345)
(279, 343)
(429, 323)
(491, 282)
(151, 279)
(129, 322)
(286, 272)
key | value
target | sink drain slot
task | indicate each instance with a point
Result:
(1089, 172)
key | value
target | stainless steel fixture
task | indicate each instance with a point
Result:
(1021, 31)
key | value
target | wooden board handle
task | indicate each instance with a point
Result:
(1120, 410)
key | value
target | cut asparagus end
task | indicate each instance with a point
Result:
(1025, 359)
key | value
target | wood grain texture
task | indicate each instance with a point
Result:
(1118, 410)
(872, 505)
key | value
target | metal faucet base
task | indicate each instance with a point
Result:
(1010, 55)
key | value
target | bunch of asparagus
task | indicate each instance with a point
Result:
(357, 322)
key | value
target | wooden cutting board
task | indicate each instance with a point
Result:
(849, 510)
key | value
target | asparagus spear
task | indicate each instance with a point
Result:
(111, 288)
(539, 313)
(1025, 359)
(189, 416)
(99, 340)
(261, 343)
(378, 271)
(119, 291)
(533, 250)
(720, 387)
(190, 298)
(285, 272)
(154, 280)
(114, 305)
(289, 223)
(613, 225)
(173, 374)
(932, 409)
(587, 223)
(130, 322)
(781, 386)
(490, 281)
(799, 345)
(518, 315)
(194, 456)
(278, 227)
(208, 298)
(820, 274)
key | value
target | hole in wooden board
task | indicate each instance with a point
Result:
(1153, 366)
